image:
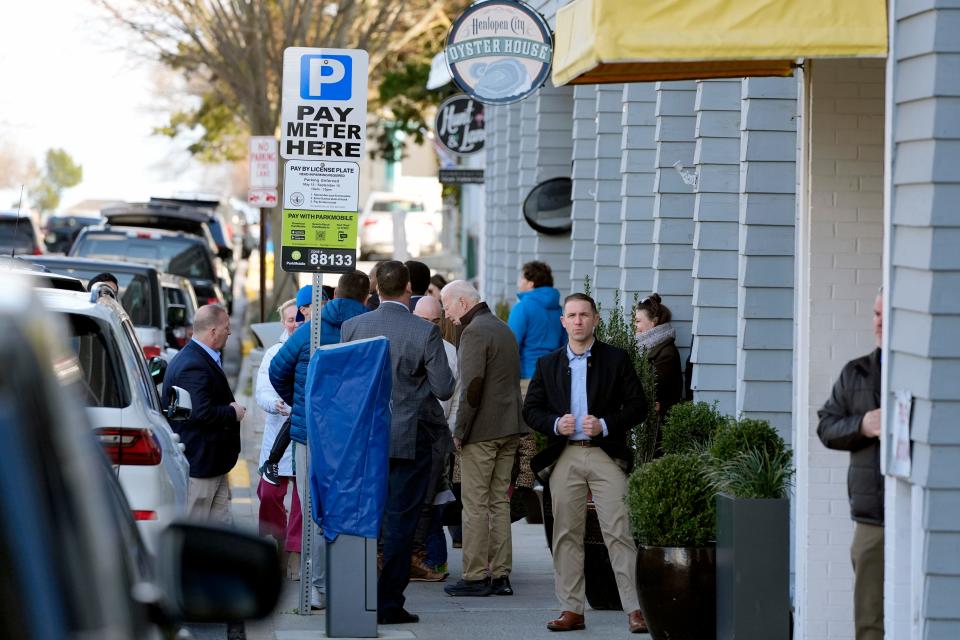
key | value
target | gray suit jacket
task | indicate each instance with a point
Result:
(419, 364)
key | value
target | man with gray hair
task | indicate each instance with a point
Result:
(211, 436)
(487, 435)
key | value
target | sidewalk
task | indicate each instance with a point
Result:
(523, 615)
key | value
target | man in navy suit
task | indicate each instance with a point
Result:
(212, 434)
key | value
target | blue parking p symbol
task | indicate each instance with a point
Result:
(326, 77)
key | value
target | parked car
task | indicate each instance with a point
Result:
(178, 294)
(61, 230)
(421, 228)
(140, 294)
(19, 234)
(196, 217)
(37, 275)
(72, 565)
(175, 252)
(120, 393)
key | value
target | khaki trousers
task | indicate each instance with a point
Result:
(208, 499)
(580, 470)
(866, 553)
(485, 469)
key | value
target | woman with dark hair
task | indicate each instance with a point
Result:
(654, 331)
(437, 283)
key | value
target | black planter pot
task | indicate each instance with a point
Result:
(534, 509)
(600, 584)
(678, 592)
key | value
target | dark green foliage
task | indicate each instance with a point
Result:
(750, 460)
(689, 425)
(618, 330)
(736, 436)
(671, 502)
(754, 474)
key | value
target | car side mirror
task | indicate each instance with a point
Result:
(210, 574)
(179, 405)
(158, 368)
(176, 315)
(225, 253)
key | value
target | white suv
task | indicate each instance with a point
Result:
(421, 229)
(122, 404)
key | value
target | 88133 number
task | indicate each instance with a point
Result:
(319, 259)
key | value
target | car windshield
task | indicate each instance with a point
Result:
(135, 291)
(179, 256)
(407, 206)
(100, 385)
(14, 235)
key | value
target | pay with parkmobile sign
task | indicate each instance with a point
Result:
(324, 104)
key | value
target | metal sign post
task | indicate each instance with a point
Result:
(323, 135)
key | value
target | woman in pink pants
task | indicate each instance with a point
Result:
(273, 514)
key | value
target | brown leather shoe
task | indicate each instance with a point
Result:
(636, 622)
(421, 572)
(568, 621)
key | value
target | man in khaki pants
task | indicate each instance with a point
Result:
(487, 434)
(586, 398)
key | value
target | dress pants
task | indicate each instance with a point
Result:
(208, 500)
(485, 482)
(866, 552)
(407, 485)
(580, 470)
(318, 551)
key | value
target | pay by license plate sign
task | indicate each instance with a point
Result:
(320, 200)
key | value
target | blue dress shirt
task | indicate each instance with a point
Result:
(213, 354)
(578, 393)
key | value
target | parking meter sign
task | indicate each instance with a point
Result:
(323, 115)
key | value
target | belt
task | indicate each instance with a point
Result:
(580, 443)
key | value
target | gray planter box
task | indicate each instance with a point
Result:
(753, 569)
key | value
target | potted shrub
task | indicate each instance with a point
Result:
(673, 517)
(751, 472)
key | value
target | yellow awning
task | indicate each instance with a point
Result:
(606, 41)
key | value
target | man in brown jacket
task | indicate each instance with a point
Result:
(487, 434)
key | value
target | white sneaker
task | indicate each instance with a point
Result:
(318, 599)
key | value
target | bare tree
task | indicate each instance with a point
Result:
(231, 51)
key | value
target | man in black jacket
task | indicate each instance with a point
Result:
(850, 421)
(211, 436)
(586, 397)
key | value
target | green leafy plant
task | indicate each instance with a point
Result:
(502, 310)
(618, 330)
(671, 503)
(736, 436)
(754, 474)
(689, 425)
(750, 460)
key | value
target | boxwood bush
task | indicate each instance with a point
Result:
(671, 502)
(746, 434)
(689, 426)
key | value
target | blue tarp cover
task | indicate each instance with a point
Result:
(348, 428)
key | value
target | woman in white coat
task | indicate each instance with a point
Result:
(273, 514)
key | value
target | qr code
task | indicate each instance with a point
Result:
(321, 234)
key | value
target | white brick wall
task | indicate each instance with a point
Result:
(839, 264)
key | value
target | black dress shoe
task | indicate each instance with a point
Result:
(469, 588)
(397, 616)
(501, 586)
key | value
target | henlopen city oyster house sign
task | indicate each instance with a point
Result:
(499, 51)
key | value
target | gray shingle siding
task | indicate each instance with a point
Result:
(717, 161)
(767, 157)
(637, 160)
(584, 184)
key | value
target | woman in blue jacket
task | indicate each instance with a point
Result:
(535, 319)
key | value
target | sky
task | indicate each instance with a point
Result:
(71, 80)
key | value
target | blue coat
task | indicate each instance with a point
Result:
(288, 370)
(535, 321)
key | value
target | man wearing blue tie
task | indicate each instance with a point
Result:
(211, 436)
